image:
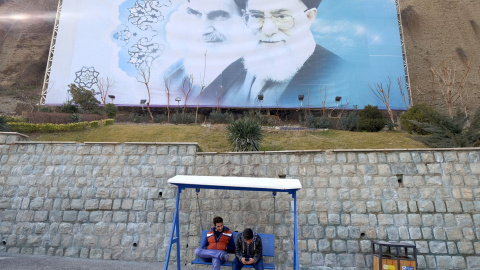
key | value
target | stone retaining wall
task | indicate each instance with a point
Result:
(111, 201)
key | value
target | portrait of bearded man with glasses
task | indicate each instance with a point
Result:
(284, 60)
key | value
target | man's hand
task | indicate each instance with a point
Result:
(251, 261)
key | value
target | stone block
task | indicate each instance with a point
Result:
(415, 233)
(339, 245)
(454, 233)
(444, 262)
(464, 220)
(452, 248)
(473, 262)
(384, 219)
(438, 247)
(458, 262)
(465, 247)
(323, 245)
(439, 233)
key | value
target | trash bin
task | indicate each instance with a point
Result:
(394, 256)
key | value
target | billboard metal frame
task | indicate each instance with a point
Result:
(404, 52)
(46, 79)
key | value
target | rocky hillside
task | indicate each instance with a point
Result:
(436, 32)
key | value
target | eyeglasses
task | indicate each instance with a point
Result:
(281, 21)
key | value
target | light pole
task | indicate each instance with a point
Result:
(260, 98)
(112, 97)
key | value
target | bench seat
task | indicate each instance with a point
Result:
(268, 245)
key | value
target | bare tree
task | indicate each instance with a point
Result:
(324, 100)
(202, 81)
(167, 91)
(384, 95)
(104, 84)
(451, 90)
(144, 77)
(188, 82)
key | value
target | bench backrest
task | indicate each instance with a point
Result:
(268, 242)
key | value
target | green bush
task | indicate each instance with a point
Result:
(370, 119)
(3, 123)
(349, 121)
(160, 118)
(16, 119)
(138, 118)
(446, 132)
(68, 107)
(245, 135)
(418, 113)
(84, 97)
(107, 122)
(318, 122)
(46, 109)
(94, 124)
(48, 128)
(75, 117)
(217, 117)
(110, 110)
(182, 118)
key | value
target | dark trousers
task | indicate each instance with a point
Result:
(237, 265)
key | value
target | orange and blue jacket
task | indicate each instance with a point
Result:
(223, 242)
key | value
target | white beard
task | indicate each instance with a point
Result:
(277, 63)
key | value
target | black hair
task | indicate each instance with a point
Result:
(247, 234)
(242, 4)
(217, 220)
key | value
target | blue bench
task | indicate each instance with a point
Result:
(268, 245)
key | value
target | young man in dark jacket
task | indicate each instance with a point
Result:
(218, 242)
(248, 250)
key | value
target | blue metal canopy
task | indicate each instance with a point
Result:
(231, 183)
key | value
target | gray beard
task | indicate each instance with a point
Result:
(277, 64)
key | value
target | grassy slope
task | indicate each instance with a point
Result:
(213, 138)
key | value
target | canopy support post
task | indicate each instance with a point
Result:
(296, 263)
(175, 229)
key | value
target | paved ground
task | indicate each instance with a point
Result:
(9, 261)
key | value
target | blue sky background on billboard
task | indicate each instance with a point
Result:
(209, 55)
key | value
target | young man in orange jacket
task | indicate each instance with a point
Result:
(216, 245)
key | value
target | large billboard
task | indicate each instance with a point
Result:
(227, 53)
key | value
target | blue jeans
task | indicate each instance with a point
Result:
(218, 256)
(237, 265)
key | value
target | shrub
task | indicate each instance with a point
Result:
(138, 118)
(349, 121)
(217, 117)
(449, 131)
(370, 119)
(93, 124)
(75, 117)
(108, 122)
(46, 109)
(110, 110)
(160, 118)
(417, 113)
(83, 97)
(58, 118)
(245, 135)
(48, 128)
(16, 119)
(68, 107)
(318, 122)
(3, 123)
(182, 118)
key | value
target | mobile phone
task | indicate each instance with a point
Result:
(247, 259)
